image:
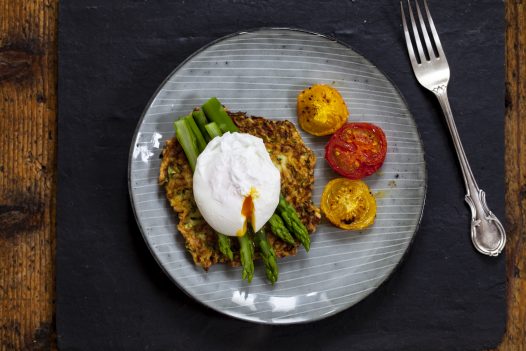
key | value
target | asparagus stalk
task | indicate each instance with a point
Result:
(224, 245)
(213, 130)
(215, 112)
(280, 230)
(187, 139)
(267, 254)
(246, 253)
(201, 121)
(199, 139)
(293, 223)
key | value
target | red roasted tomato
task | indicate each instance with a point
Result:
(356, 150)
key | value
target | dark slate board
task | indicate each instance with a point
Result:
(111, 295)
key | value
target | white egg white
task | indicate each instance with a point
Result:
(230, 169)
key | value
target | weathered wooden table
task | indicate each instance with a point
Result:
(28, 143)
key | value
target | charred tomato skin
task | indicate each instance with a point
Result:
(356, 150)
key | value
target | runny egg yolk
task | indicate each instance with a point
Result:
(247, 211)
(235, 183)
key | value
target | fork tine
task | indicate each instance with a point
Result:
(430, 50)
(418, 43)
(412, 56)
(434, 32)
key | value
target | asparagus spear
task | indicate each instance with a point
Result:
(187, 139)
(213, 130)
(199, 139)
(186, 135)
(293, 222)
(224, 245)
(280, 230)
(267, 254)
(201, 121)
(246, 252)
(215, 112)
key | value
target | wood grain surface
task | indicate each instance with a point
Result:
(28, 78)
(515, 131)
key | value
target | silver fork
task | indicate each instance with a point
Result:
(487, 233)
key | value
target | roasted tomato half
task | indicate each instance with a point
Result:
(356, 150)
(348, 204)
(321, 110)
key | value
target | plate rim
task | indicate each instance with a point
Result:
(143, 234)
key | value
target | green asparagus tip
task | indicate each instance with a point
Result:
(246, 253)
(280, 230)
(267, 255)
(224, 246)
(293, 223)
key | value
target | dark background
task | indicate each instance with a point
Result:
(111, 294)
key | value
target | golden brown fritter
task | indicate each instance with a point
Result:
(288, 152)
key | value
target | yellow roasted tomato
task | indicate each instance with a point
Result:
(321, 110)
(348, 204)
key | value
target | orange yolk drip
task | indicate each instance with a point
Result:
(247, 210)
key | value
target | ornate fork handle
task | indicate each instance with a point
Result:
(487, 233)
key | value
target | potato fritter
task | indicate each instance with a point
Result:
(288, 152)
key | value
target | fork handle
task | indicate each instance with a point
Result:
(487, 233)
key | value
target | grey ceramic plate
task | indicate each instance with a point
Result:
(261, 72)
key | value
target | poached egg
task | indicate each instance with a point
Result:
(236, 183)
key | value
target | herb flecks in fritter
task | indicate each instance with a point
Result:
(288, 152)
